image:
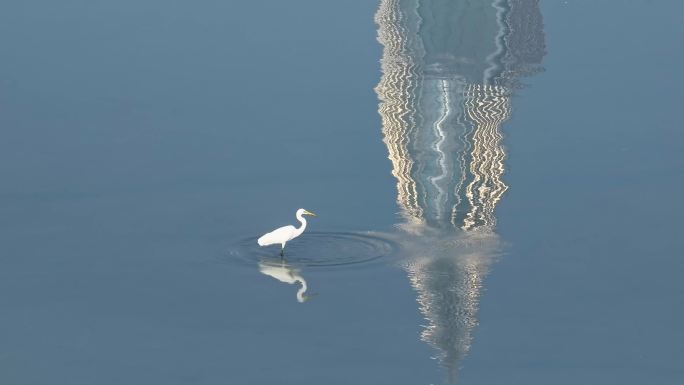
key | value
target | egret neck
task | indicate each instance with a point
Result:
(301, 228)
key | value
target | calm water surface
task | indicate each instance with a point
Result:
(496, 184)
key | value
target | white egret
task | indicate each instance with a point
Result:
(286, 233)
(285, 273)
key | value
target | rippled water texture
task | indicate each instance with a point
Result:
(321, 249)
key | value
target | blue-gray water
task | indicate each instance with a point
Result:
(525, 230)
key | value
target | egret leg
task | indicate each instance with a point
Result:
(282, 252)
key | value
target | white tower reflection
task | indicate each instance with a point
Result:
(448, 69)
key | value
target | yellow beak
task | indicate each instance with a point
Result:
(309, 213)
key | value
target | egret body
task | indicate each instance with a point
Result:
(286, 233)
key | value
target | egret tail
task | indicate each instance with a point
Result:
(262, 241)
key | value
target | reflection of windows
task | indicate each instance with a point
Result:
(448, 68)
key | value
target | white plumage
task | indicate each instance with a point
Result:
(286, 233)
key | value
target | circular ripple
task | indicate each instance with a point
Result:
(319, 249)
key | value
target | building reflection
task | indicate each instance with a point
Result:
(449, 68)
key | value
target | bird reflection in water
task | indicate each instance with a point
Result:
(449, 68)
(283, 272)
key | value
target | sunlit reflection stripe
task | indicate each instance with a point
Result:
(488, 107)
(396, 91)
(440, 130)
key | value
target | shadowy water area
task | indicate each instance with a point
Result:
(495, 184)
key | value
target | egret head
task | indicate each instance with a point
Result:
(301, 212)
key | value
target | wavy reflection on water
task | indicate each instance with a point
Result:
(283, 272)
(448, 70)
